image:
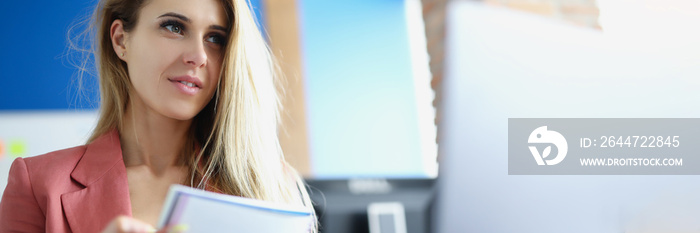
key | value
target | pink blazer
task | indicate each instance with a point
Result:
(79, 189)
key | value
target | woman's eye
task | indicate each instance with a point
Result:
(216, 39)
(174, 28)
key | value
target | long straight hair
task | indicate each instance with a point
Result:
(233, 147)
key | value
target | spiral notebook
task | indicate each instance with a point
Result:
(195, 210)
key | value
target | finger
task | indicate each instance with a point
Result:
(179, 228)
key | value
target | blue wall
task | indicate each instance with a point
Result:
(34, 72)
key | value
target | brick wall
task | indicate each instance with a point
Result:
(434, 19)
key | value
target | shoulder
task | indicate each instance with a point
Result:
(58, 157)
(55, 163)
(33, 183)
(52, 170)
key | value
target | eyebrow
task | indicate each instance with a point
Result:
(187, 20)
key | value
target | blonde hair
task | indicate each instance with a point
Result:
(233, 147)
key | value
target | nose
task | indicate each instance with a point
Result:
(197, 55)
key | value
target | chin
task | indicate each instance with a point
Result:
(182, 111)
(181, 117)
(183, 114)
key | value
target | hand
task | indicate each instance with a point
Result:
(124, 224)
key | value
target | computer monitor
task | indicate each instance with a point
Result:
(505, 64)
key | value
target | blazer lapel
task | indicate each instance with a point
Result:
(105, 194)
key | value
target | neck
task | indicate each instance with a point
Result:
(150, 139)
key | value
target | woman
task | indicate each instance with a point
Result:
(187, 97)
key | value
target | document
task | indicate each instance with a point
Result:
(194, 210)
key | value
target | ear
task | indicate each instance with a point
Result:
(118, 36)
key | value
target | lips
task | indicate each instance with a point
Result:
(188, 85)
(188, 81)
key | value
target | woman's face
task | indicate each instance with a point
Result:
(174, 55)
